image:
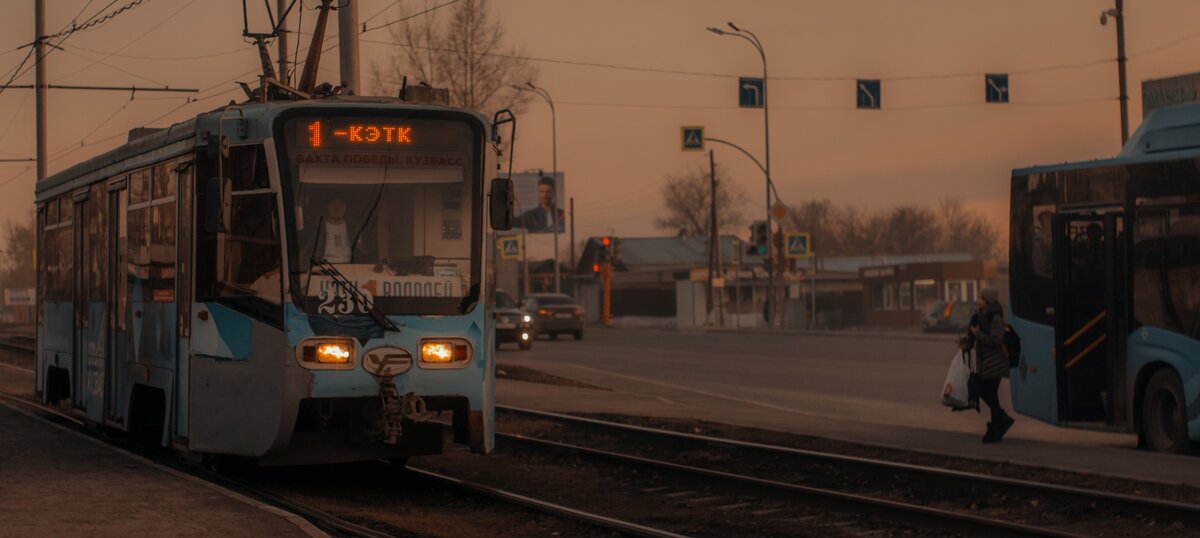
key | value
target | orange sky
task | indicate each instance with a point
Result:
(619, 129)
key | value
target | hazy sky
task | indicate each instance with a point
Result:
(619, 129)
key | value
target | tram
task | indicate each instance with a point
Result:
(1105, 287)
(297, 281)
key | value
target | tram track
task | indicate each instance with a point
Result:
(320, 518)
(860, 475)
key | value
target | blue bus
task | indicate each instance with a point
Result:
(294, 281)
(1105, 287)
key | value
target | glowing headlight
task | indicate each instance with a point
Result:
(337, 353)
(445, 352)
(333, 353)
(526, 318)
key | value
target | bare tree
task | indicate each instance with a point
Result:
(963, 231)
(687, 199)
(850, 231)
(460, 48)
(16, 265)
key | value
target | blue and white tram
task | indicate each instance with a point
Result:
(1105, 285)
(297, 282)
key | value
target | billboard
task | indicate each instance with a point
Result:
(540, 202)
(1164, 92)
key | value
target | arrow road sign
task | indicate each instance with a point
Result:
(693, 138)
(996, 88)
(868, 94)
(751, 93)
(798, 244)
(510, 247)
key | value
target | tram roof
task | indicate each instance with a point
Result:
(1166, 134)
(182, 138)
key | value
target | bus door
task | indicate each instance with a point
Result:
(1090, 318)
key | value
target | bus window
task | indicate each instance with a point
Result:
(1183, 269)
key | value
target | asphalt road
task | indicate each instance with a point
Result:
(785, 380)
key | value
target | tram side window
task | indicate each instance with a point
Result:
(57, 243)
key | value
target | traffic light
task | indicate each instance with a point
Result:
(758, 238)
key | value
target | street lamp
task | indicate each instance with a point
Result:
(554, 172)
(753, 40)
(1118, 13)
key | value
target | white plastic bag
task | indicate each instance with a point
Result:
(954, 392)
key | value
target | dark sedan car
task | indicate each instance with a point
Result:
(554, 314)
(512, 325)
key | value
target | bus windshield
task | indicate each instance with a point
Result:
(388, 205)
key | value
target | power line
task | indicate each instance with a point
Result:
(135, 40)
(163, 58)
(402, 19)
(93, 22)
(380, 12)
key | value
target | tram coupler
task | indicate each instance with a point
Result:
(396, 409)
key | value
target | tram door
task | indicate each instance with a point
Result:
(1090, 316)
(118, 306)
(91, 310)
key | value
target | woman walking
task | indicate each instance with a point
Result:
(991, 360)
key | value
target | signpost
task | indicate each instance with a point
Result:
(750, 92)
(693, 138)
(511, 247)
(1163, 92)
(868, 94)
(798, 245)
(996, 88)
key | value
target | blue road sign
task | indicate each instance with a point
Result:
(868, 94)
(510, 247)
(751, 93)
(693, 139)
(798, 244)
(996, 87)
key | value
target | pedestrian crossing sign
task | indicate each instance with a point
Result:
(693, 138)
(799, 244)
(511, 247)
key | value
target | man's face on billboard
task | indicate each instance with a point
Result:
(546, 194)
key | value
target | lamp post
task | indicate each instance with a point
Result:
(754, 41)
(554, 172)
(1118, 13)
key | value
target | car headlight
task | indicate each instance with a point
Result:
(527, 318)
(328, 353)
(445, 353)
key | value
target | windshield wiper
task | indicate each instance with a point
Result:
(342, 282)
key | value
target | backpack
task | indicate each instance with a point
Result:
(1011, 346)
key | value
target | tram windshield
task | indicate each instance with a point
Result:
(384, 212)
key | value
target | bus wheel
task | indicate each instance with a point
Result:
(1164, 417)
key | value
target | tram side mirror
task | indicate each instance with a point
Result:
(217, 205)
(500, 204)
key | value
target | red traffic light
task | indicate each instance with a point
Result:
(595, 268)
(605, 241)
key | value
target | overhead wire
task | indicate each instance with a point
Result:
(402, 19)
(134, 40)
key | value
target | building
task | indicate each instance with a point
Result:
(899, 294)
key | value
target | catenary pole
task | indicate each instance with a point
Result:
(282, 41)
(348, 45)
(1121, 71)
(39, 21)
(713, 261)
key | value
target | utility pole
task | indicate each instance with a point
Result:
(39, 66)
(1118, 13)
(573, 262)
(1121, 71)
(282, 41)
(348, 45)
(713, 261)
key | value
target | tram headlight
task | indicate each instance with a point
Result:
(447, 352)
(327, 353)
